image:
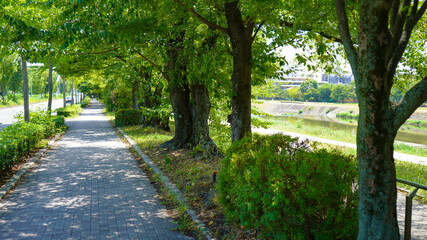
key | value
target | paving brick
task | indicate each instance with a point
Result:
(87, 186)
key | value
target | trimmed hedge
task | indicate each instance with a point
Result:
(283, 189)
(126, 117)
(21, 137)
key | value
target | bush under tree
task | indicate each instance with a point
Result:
(284, 189)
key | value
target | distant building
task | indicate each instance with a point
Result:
(296, 78)
(337, 79)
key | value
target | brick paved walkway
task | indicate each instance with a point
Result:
(86, 187)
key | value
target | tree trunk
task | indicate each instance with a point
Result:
(64, 90)
(135, 88)
(72, 91)
(200, 109)
(179, 94)
(25, 89)
(2, 93)
(180, 101)
(377, 175)
(241, 42)
(49, 102)
(376, 130)
(3, 87)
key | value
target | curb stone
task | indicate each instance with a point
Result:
(171, 187)
(13, 181)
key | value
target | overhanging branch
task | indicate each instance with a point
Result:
(345, 35)
(201, 18)
(308, 29)
(410, 102)
(152, 63)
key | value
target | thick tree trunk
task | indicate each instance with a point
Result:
(200, 109)
(25, 89)
(49, 102)
(180, 101)
(377, 175)
(376, 130)
(241, 42)
(179, 94)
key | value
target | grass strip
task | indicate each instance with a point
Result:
(404, 170)
(21, 101)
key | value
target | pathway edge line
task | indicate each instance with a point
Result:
(171, 187)
(13, 181)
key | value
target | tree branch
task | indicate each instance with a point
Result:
(399, 48)
(201, 18)
(410, 102)
(421, 12)
(152, 63)
(323, 34)
(399, 22)
(394, 11)
(257, 30)
(345, 35)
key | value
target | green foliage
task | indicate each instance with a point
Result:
(117, 95)
(294, 94)
(85, 102)
(69, 111)
(269, 90)
(14, 97)
(157, 117)
(310, 91)
(126, 117)
(21, 137)
(281, 187)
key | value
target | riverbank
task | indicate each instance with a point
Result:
(281, 108)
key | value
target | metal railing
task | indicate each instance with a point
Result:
(408, 205)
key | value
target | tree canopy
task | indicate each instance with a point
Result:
(197, 61)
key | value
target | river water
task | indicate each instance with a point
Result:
(408, 134)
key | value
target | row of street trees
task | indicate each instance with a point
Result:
(11, 79)
(198, 55)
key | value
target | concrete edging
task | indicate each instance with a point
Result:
(171, 187)
(13, 181)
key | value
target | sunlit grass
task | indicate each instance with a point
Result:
(21, 101)
(404, 170)
(147, 137)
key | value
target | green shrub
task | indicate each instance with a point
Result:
(21, 137)
(126, 117)
(63, 112)
(283, 189)
(157, 117)
(85, 102)
(13, 97)
(69, 111)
